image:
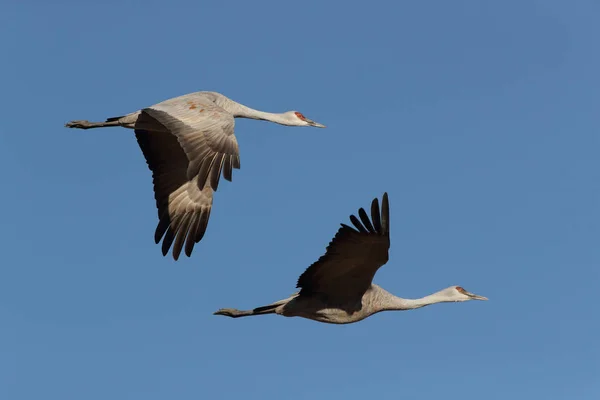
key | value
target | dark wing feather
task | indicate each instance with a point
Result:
(352, 258)
(183, 209)
(365, 220)
(376, 221)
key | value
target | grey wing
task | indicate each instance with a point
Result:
(352, 258)
(183, 209)
(205, 131)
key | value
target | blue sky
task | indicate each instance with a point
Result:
(480, 119)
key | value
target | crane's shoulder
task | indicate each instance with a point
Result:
(194, 109)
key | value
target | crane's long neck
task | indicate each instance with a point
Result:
(392, 302)
(241, 111)
(411, 304)
(247, 112)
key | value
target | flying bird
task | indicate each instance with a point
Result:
(188, 142)
(338, 288)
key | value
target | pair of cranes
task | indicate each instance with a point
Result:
(188, 143)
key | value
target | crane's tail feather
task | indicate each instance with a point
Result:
(114, 118)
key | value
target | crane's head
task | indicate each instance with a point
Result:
(295, 118)
(457, 293)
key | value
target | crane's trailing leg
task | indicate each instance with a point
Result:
(89, 125)
(234, 313)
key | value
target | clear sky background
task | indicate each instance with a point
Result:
(479, 118)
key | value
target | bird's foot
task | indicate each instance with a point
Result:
(80, 124)
(229, 312)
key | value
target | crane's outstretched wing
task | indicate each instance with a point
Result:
(205, 132)
(352, 258)
(183, 209)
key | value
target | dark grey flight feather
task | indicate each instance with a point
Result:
(352, 257)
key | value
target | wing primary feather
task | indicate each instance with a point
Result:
(365, 220)
(182, 233)
(215, 172)
(348, 227)
(236, 162)
(161, 228)
(357, 224)
(205, 169)
(202, 225)
(385, 214)
(167, 240)
(189, 243)
(375, 216)
(170, 235)
(228, 168)
(194, 167)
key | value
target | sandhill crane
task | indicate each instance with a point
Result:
(337, 289)
(187, 142)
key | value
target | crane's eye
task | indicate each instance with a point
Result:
(299, 115)
(460, 289)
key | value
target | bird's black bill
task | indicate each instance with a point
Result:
(476, 297)
(313, 123)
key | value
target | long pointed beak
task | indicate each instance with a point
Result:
(315, 124)
(476, 297)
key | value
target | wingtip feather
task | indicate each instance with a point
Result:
(365, 220)
(182, 234)
(357, 224)
(385, 214)
(376, 215)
